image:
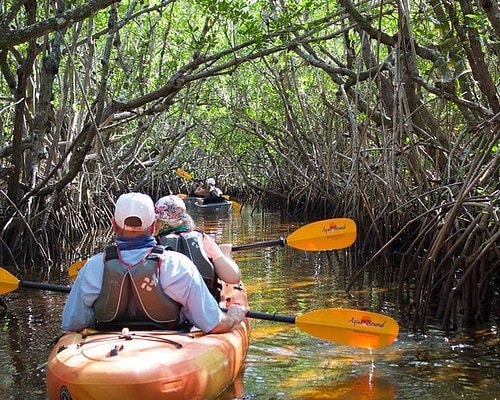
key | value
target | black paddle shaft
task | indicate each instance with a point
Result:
(289, 319)
(278, 242)
(45, 286)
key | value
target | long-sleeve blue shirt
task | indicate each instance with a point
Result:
(179, 279)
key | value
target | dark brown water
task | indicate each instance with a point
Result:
(284, 362)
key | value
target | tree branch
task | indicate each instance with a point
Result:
(13, 37)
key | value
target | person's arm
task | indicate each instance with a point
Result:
(78, 313)
(232, 318)
(225, 267)
(181, 281)
(200, 191)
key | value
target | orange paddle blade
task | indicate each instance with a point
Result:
(236, 206)
(328, 234)
(8, 282)
(74, 268)
(184, 174)
(350, 327)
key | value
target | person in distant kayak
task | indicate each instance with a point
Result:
(176, 230)
(137, 282)
(211, 193)
(197, 188)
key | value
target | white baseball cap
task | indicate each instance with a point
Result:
(211, 181)
(137, 205)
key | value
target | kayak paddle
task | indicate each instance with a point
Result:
(355, 328)
(184, 174)
(74, 268)
(328, 234)
(237, 206)
(9, 283)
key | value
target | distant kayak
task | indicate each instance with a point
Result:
(156, 365)
(221, 207)
(195, 204)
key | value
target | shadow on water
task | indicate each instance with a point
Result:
(284, 362)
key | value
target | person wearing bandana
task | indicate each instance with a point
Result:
(138, 282)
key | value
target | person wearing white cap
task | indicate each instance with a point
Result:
(136, 282)
(211, 193)
(176, 230)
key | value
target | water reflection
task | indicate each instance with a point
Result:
(305, 370)
(284, 362)
(29, 328)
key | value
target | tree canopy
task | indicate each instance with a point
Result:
(384, 112)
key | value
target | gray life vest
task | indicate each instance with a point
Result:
(131, 295)
(190, 243)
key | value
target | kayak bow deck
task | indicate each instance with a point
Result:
(148, 364)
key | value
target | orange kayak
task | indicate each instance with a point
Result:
(148, 364)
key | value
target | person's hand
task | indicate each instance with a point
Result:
(237, 313)
(226, 249)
